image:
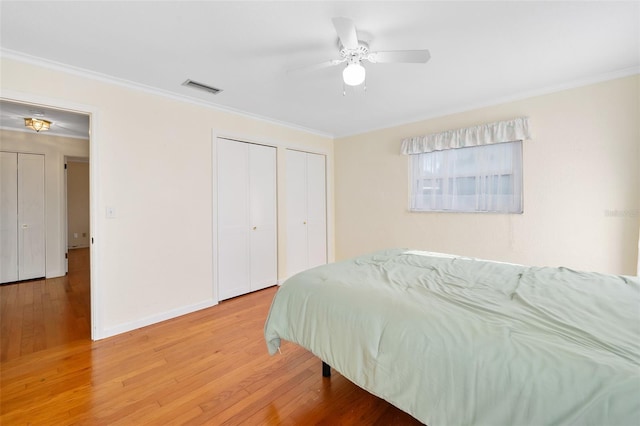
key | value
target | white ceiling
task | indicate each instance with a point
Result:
(481, 52)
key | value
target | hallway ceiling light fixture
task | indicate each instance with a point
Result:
(37, 124)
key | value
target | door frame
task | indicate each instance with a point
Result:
(214, 197)
(97, 331)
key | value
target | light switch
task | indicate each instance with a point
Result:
(111, 212)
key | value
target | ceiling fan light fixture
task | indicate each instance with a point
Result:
(354, 74)
(37, 124)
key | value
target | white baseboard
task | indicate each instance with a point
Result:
(54, 273)
(153, 319)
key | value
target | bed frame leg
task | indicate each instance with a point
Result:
(326, 369)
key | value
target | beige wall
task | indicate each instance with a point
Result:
(153, 165)
(77, 204)
(581, 166)
(55, 149)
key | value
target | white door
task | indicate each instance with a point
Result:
(233, 219)
(316, 210)
(262, 216)
(247, 218)
(31, 216)
(306, 211)
(23, 216)
(9, 217)
(297, 256)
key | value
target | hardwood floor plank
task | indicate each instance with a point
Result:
(288, 401)
(238, 413)
(39, 320)
(210, 367)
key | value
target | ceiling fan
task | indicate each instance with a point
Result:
(354, 52)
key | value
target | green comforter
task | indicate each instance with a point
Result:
(459, 341)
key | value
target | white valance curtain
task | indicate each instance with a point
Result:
(484, 134)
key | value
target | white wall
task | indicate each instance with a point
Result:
(153, 165)
(54, 148)
(580, 168)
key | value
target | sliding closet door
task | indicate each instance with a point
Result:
(297, 248)
(316, 210)
(306, 211)
(31, 216)
(22, 221)
(262, 216)
(9, 217)
(233, 219)
(247, 219)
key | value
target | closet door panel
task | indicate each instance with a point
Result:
(263, 259)
(316, 210)
(31, 216)
(263, 216)
(233, 264)
(296, 205)
(233, 219)
(8, 217)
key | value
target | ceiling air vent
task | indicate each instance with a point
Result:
(200, 86)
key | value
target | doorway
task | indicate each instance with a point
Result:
(66, 312)
(77, 193)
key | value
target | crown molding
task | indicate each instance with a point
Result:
(81, 72)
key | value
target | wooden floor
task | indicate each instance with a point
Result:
(210, 367)
(41, 314)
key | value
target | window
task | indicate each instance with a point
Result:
(486, 178)
(471, 169)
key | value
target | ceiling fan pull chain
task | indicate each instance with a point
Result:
(344, 89)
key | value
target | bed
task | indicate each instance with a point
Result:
(454, 340)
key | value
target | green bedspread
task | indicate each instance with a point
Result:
(459, 341)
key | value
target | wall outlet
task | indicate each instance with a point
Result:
(75, 235)
(111, 212)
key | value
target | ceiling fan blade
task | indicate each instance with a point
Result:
(315, 67)
(402, 56)
(346, 32)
